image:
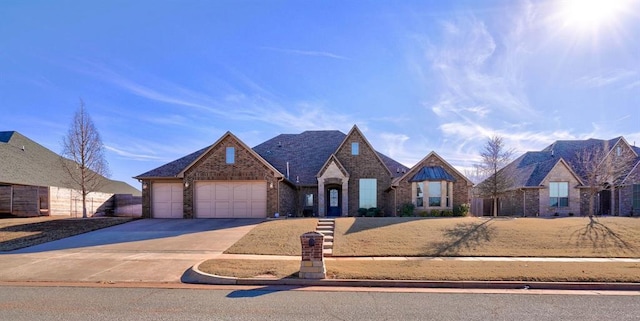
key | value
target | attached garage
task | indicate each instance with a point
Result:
(166, 199)
(231, 199)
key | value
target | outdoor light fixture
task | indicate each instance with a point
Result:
(144, 185)
(186, 184)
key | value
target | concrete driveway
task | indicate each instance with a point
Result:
(150, 250)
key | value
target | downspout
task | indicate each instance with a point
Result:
(278, 193)
(395, 200)
(524, 202)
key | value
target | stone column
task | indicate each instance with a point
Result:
(312, 264)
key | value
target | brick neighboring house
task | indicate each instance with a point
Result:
(549, 182)
(314, 173)
(33, 182)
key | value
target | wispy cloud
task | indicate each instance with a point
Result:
(133, 156)
(307, 53)
(606, 78)
(251, 103)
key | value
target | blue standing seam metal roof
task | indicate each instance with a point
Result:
(432, 173)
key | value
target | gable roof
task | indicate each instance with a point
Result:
(417, 168)
(305, 153)
(356, 130)
(530, 169)
(25, 162)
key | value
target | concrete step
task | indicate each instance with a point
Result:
(328, 238)
(327, 245)
(326, 220)
(326, 233)
(327, 252)
(326, 223)
(324, 228)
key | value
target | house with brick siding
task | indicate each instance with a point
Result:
(314, 173)
(551, 182)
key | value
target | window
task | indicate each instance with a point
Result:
(368, 193)
(333, 197)
(355, 149)
(308, 200)
(448, 198)
(231, 155)
(420, 194)
(636, 198)
(618, 150)
(435, 194)
(559, 194)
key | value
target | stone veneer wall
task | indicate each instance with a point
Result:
(364, 165)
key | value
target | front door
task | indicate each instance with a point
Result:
(333, 204)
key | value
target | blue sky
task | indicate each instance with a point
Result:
(162, 79)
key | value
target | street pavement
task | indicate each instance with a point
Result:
(148, 250)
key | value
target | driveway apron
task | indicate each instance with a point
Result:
(148, 250)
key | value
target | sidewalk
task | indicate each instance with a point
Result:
(194, 275)
(410, 258)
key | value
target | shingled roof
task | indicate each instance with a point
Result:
(25, 162)
(305, 152)
(530, 169)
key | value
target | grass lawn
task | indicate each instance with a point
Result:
(279, 237)
(434, 270)
(16, 233)
(469, 236)
(413, 237)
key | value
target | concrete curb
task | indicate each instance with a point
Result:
(195, 276)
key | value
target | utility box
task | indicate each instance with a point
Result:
(312, 264)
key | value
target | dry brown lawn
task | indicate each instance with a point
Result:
(16, 233)
(434, 270)
(279, 237)
(469, 236)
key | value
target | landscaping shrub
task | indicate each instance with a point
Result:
(423, 214)
(407, 209)
(461, 210)
(447, 213)
(373, 212)
(435, 213)
(362, 211)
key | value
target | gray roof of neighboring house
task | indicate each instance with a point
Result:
(432, 173)
(306, 153)
(25, 162)
(530, 169)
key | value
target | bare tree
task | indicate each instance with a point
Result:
(495, 156)
(602, 168)
(84, 152)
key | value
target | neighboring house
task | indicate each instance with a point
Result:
(314, 173)
(551, 182)
(33, 182)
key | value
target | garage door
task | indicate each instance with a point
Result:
(166, 200)
(231, 199)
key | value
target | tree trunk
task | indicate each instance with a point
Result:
(495, 206)
(84, 206)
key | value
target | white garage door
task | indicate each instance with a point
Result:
(231, 199)
(166, 199)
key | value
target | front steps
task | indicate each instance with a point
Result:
(326, 227)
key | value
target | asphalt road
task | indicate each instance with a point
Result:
(273, 303)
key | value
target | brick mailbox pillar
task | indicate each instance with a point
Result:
(312, 265)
